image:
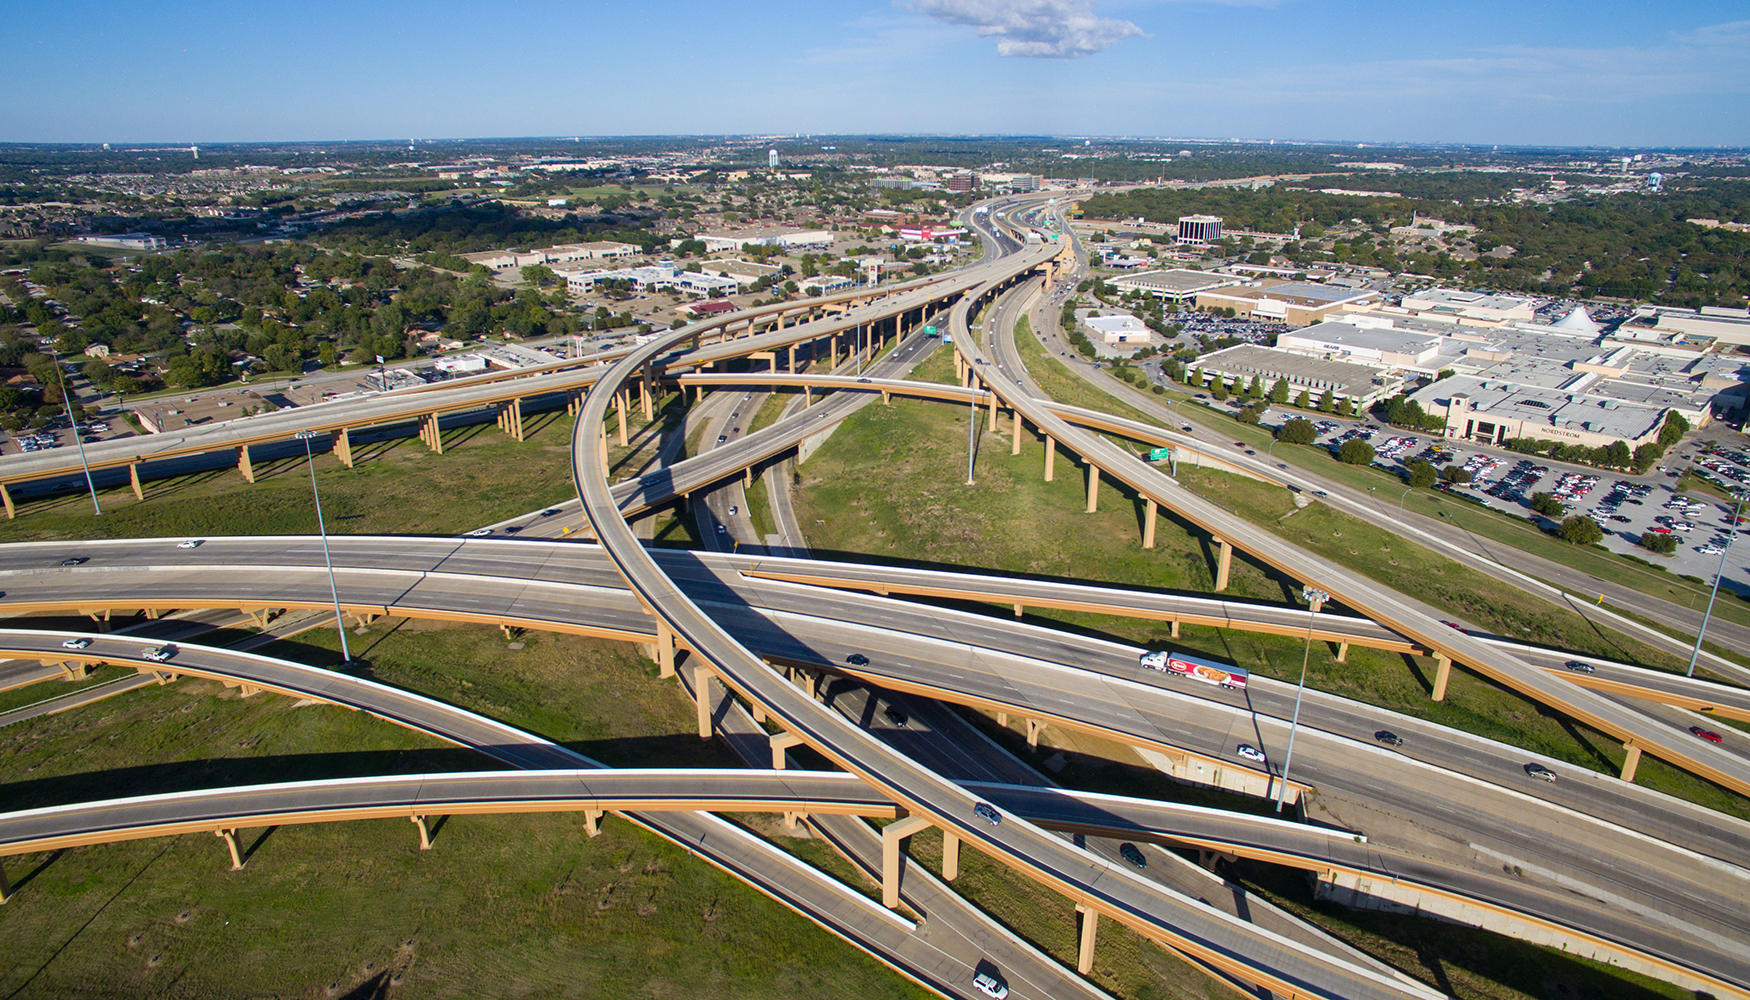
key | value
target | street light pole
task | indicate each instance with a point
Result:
(971, 423)
(1315, 599)
(1718, 574)
(78, 439)
(327, 559)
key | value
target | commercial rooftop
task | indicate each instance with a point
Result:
(1176, 284)
(1363, 382)
(1534, 407)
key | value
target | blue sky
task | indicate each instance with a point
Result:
(1556, 72)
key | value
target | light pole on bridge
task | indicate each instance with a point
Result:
(327, 559)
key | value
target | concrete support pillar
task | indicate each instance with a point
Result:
(5, 887)
(1442, 673)
(1224, 564)
(893, 837)
(1050, 457)
(886, 398)
(664, 649)
(6, 498)
(950, 856)
(1094, 490)
(645, 394)
(1090, 921)
(230, 839)
(807, 397)
(1033, 728)
(134, 480)
(592, 822)
(343, 447)
(603, 441)
(1015, 447)
(1175, 628)
(1342, 652)
(993, 410)
(437, 434)
(424, 832)
(832, 360)
(244, 465)
(1020, 609)
(702, 676)
(516, 418)
(780, 743)
(1003, 719)
(792, 367)
(1632, 761)
(622, 400)
(758, 713)
(1148, 525)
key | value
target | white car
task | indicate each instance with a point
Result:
(192, 543)
(75, 643)
(158, 654)
(990, 986)
(1250, 752)
(478, 533)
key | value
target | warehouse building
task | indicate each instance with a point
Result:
(1296, 303)
(1176, 285)
(1366, 384)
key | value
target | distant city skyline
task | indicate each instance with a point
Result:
(1562, 73)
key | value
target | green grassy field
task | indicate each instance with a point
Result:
(397, 486)
(889, 486)
(501, 906)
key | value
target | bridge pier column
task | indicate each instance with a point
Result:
(1050, 457)
(1034, 726)
(780, 743)
(1631, 762)
(516, 418)
(244, 465)
(437, 434)
(134, 480)
(807, 397)
(702, 676)
(886, 398)
(424, 832)
(1094, 489)
(1148, 525)
(6, 498)
(644, 392)
(993, 410)
(1015, 447)
(1224, 564)
(893, 837)
(230, 839)
(664, 649)
(1342, 652)
(592, 822)
(950, 856)
(622, 401)
(1090, 921)
(5, 887)
(792, 367)
(343, 447)
(1442, 673)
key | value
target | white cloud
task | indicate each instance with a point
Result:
(1051, 29)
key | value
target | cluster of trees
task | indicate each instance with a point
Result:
(1663, 543)
(1615, 455)
(1635, 246)
(1402, 411)
(192, 312)
(459, 229)
(1576, 529)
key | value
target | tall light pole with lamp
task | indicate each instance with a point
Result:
(78, 438)
(1718, 575)
(327, 559)
(1315, 599)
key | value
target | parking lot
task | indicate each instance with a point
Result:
(1624, 508)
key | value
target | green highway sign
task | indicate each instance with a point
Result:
(1160, 454)
(929, 331)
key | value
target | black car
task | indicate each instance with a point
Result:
(1129, 853)
(857, 660)
(1389, 738)
(75, 560)
(894, 716)
(1580, 667)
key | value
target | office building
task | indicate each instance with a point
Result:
(1199, 230)
(1176, 285)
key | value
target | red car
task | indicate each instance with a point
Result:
(1453, 625)
(1706, 734)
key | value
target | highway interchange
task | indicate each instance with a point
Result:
(1667, 893)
